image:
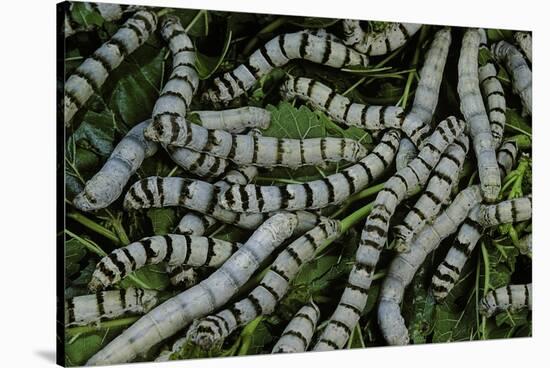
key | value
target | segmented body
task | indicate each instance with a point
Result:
(235, 120)
(298, 333)
(507, 298)
(523, 40)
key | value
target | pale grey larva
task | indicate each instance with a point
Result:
(493, 92)
(332, 189)
(525, 244)
(510, 298)
(173, 249)
(198, 163)
(505, 212)
(524, 41)
(87, 309)
(182, 276)
(109, 12)
(506, 157)
(212, 330)
(393, 36)
(235, 120)
(252, 149)
(174, 314)
(518, 69)
(298, 333)
(340, 108)
(405, 153)
(473, 109)
(92, 73)
(374, 234)
(107, 185)
(436, 194)
(277, 52)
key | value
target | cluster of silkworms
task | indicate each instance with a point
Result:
(226, 150)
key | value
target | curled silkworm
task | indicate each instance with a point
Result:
(298, 333)
(340, 108)
(437, 193)
(374, 234)
(171, 248)
(263, 299)
(253, 149)
(406, 153)
(104, 305)
(174, 314)
(107, 185)
(333, 189)
(235, 120)
(506, 157)
(523, 40)
(92, 73)
(512, 210)
(518, 69)
(277, 52)
(507, 298)
(473, 109)
(393, 36)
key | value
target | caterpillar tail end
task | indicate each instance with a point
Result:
(392, 323)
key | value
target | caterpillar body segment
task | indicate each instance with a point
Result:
(492, 91)
(507, 298)
(93, 72)
(106, 186)
(104, 305)
(198, 163)
(505, 212)
(333, 189)
(174, 314)
(298, 333)
(374, 234)
(235, 120)
(277, 52)
(506, 157)
(473, 109)
(524, 42)
(525, 244)
(182, 276)
(405, 154)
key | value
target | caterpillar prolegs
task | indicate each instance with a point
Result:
(507, 298)
(298, 333)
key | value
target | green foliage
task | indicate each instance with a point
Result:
(84, 16)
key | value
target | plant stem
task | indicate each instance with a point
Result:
(122, 322)
(90, 245)
(83, 220)
(414, 63)
(486, 272)
(269, 28)
(194, 20)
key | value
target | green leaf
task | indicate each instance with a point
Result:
(200, 19)
(96, 132)
(207, 65)
(78, 350)
(422, 306)
(153, 275)
(495, 35)
(74, 252)
(516, 120)
(290, 122)
(502, 260)
(163, 220)
(84, 14)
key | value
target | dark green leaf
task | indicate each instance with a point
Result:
(85, 15)
(163, 220)
(96, 132)
(74, 252)
(153, 275)
(207, 65)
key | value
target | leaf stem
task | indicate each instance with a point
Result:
(269, 28)
(486, 271)
(121, 322)
(94, 226)
(194, 20)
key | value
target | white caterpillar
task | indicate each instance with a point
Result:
(340, 108)
(171, 248)
(506, 157)
(404, 265)
(525, 244)
(235, 120)
(471, 105)
(92, 73)
(507, 298)
(505, 212)
(87, 309)
(405, 153)
(212, 330)
(203, 298)
(298, 333)
(277, 52)
(332, 189)
(198, 163)
(107, 185)
(392, 37)
(253, 149)
(182, 276)
(523, 39)
(109, 12)
(437, 193)
(374, 235)
(518, 69)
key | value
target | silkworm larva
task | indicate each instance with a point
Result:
(92, 73)
(263, 299)
(405, 154)
(174, 314)
(109, 12)
(518, 69)
(390, 38)
(277, 52)
(473, 109)
(506, 157)
(253, 149)
(523, 39)
(507, 298)
(104, 305)
(333, 189)
(512, 210)
(340, 108)
(107, 185)
(198, 163)
(525, 244)
(374, 234)
(437, 193)
(417, 123)
(298, 333)
(235, 120)
(404, 265)
(171, 248)
(182, 276)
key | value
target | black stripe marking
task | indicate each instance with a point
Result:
(309, 195)
(117, 263)
(329, 343)
(298, 334)
(329, 99)
(327, 52)
(495, 93)
(270, 290)
(130, 259)
(353, 308)
(264, 53)
(282, 46)
(341, 325)
(70, 310)
(149, 251)
(100, 305)
(294, 256)
(148, 193)
(303, 44)
(330, 189)
(256, 304)
(350, 181)
(276, 270)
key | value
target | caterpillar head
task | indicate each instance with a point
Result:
(205, 333)
(149, 299)
(168, 25)
(99, 192)
(488, 305)
(287, 89)
(354, 151)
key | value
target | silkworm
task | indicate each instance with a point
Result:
(523, 40)
(473, 109)
(87, 309)
(174, 314)
(374, 234)
(506, 157)
(340, 108)
(173, 249)
(182, 276)
(92, 73)
(507, 298)
(333, 189)
(235, 120)
(109, 12)
(393, 36)
(404, 265)
(107, 185)
(525, 244)
(436, 194)
(276, 53)
(298, 333)
(406, 153)
(518, 69)
(198, 163)
(252, 149)
(505, 212)
(212, 330)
